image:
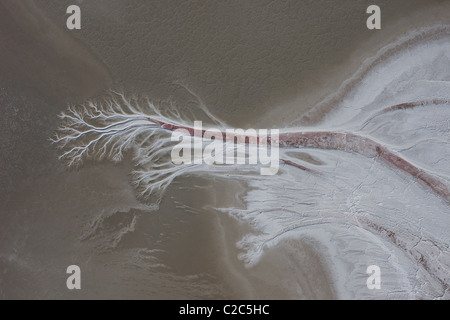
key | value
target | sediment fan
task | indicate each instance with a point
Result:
(369, 184)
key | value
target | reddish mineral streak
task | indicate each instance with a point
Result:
(350, 142)
(347, 142)
(408, 105)
(200, 133)
(299, 166)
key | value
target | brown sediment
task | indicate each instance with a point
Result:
(63, 205)
(41, 55)
(330, 86)
(328, 104)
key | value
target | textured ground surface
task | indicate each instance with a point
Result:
(302, 235)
